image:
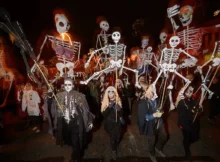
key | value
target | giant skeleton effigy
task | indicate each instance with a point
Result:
(67, 51)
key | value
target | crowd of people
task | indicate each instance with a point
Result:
(70, 118)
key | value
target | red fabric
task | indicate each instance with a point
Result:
(22, 114)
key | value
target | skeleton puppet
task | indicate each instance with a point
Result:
(116, 60)
(144, 57)
(212, 62)
(167, 63)
(190, 37)
(67, 51)
(102, 40)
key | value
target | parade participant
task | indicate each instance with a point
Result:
(112, 113)
(72, 126)
(150, 122)
(189, 126)
(31, 101)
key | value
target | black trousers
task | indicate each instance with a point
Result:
(114, 140)
(71, 137)
(157, 140)
(36, 121)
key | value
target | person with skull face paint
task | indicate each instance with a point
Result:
(72, 126)
(187, 109)
(112, 112)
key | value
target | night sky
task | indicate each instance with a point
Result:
(37, 16)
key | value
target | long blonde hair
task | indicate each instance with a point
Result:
(105, 101)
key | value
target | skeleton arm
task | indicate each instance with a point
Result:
(161, 57)
(92, 54)
(171, 12)
(123, 62)
(193, 58)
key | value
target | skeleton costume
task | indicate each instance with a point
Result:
(111, 105)
(75, 121)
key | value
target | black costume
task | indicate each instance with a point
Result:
(113, 127)
(150, 126)
(190, 129)
(73, 131)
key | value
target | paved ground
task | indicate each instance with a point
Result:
(25, 145)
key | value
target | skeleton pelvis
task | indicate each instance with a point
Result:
(169, 67)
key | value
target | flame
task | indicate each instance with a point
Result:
(63, 37)
(216, 12)
(133, 57)
(12, 37)
(128, 60)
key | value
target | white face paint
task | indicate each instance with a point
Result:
(163, 37)
(62, 23)
(104, 25)
(189, 92)
(185, 15)
(68, 85)
(111, 93)
(144, 42)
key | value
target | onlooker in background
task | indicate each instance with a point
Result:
(31, 101)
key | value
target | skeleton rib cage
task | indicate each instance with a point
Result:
(120, 50)
(191, 38)
(168, 53)
(73, 48)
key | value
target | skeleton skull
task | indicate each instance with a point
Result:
(149, 49)
(144, 42)
(104, 25)
(185, 15)
(163, 37)
(62, 23)
(174, 41)
(116, 36)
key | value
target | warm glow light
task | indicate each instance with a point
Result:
(133, 57)
(63, 37)
(216, 12)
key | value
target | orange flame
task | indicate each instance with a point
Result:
(68, 37)
(133, 57)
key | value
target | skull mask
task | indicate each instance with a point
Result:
(104, 25)
(185, 15)
(144, 42)
(174, 41)
(116, 36)
(68, 85)
(62, 23)
(163, 37)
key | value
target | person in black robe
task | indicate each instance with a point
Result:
(150, 122)
(76, 120)
(111, 109)
(189, 125)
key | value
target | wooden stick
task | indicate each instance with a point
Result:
(48, 84)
